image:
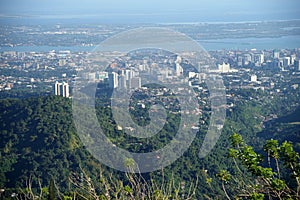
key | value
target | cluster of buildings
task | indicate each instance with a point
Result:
(126, 80)
(137, 72)
(36, 72)
(256, 69)
(61, 89)
(268, 59)
(239, 69)
(223, 68)
(280, 79)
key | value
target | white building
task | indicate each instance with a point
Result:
(101, 76)
(224, 68)
(64, 88)
(276, 54)
(62, 62)
(193, 75)
(92, 76)
(293, 58)
(122, 81)
(253, 78)
(61, 89)
(286, 61)
(178, 70)
(57, 88)
(247, 59)
(113, 80)
(259, 58)
(135, 83)
(129, 74)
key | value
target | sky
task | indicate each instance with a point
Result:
(146, 11)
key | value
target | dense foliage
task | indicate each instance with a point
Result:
(263, 181)
(40, 148)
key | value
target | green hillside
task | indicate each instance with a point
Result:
(284, 128)
(38, 139)
(39, 143)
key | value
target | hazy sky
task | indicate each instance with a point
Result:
(164, 10)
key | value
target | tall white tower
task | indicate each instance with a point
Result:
(113, 80)
(178, 68)
(122, 82)
(276, 54)
(286, 61)
(57, 88)
(64, 89)
(61, 89)
(135, 82)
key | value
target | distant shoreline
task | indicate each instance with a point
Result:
(284, 42)
(122, 19)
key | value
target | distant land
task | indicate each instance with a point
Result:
(285, 42)
(57, 35)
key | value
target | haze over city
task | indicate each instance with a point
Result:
(136, 11)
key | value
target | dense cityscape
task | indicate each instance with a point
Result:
(39, 71)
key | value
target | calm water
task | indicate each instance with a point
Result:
(46, 48)
(287, 42)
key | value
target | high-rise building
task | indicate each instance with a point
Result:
(129, 74)
(286, 61)
(293, 57)
(122, 82)
(113, 80)
(259, 58)
(224, 68)
(178, 60)
(297, 65)
(253, 78)
(240, 61)
(276, 54)
(64, 89)
(61, 89)
(247, 59)
(57, 88)
(178, 70)
(135, 83)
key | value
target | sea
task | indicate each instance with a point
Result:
(285, 42)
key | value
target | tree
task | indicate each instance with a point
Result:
(224, 176)
(52, 193)
(268, 182)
